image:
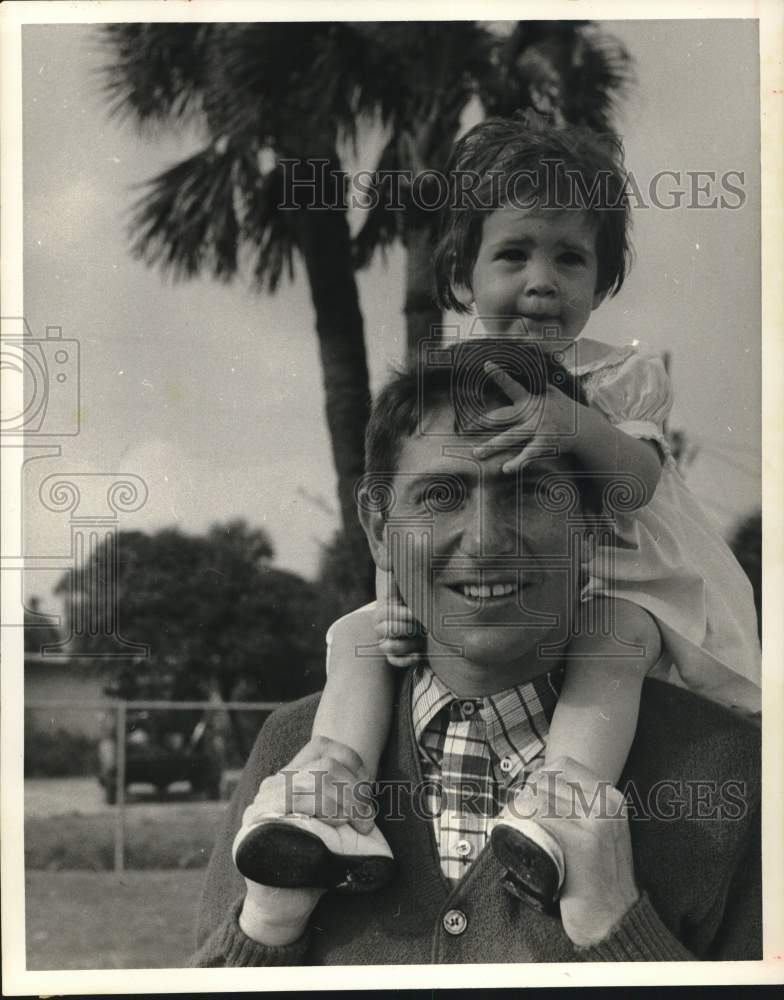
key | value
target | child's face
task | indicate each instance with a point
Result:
(540, 267)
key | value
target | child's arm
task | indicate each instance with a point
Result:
(356, 705)
(598, 444)
(596, 716)
(601, 447)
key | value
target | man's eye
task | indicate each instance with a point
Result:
(442, 494)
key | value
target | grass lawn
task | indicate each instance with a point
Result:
(99, 920)
(177, 835)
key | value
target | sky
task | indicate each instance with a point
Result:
(212, 393)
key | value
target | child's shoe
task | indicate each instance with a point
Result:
(533, 860)
(295, 850)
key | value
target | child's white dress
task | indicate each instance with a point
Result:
(669, 559)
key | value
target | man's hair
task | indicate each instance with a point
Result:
(454, 375)
(530, 162)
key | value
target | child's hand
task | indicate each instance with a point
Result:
(328, 780)
(540, 423)
(399, 631)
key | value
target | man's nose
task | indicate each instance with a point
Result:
(488, 528)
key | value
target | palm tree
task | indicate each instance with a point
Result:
(261, 94)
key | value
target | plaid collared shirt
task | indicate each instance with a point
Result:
(475, 753)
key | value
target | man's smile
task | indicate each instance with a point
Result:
(490, 586)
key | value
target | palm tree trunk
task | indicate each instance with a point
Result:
(324, 241)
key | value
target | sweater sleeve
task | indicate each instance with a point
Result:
(227, 946)
(641, 936)
(220, 941)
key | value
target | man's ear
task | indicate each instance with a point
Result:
(375, 527)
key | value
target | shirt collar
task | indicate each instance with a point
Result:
(516, 720)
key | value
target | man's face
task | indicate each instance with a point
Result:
(478, 557)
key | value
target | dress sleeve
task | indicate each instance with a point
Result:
(635, 395)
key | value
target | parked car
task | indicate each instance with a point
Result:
(158, 756)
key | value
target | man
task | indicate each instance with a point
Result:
(679, 880)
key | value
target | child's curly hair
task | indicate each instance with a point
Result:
(529, 161)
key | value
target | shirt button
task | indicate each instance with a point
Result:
(468, 708)
(455, 922)
(463, 848)
(506, 764)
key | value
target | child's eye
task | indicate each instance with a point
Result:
(511, 253)
(572, 257)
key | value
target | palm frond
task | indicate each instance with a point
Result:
(382, 224)
(299, 86)
(155, 72)
(598, 74)
(570, 68)
(186, 221)
(267, 228)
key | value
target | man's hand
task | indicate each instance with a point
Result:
(400, 633)
(322, 780)
(588, 818)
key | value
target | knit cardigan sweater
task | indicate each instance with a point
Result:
(693, 764)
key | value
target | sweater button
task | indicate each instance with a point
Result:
(455, 922)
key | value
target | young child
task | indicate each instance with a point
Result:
(535, 246)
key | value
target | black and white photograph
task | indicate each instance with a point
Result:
(384, 467)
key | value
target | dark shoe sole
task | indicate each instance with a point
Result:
(282, 855)
(532, 875)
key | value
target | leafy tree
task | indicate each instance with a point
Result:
(334, 580)
(218, 617)
(39, 630)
